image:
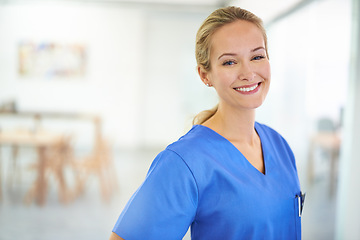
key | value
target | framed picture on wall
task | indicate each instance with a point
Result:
(51, 60)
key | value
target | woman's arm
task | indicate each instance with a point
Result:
(114, 236)
(159, 202)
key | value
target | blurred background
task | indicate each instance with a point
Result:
(92, 90)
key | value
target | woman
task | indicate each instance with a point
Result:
(229, 177)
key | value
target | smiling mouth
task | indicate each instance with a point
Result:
(247, 89)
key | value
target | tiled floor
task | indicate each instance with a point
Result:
(88, 217)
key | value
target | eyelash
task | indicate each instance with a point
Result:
(232, 62)
(228, 63)
(258, 57)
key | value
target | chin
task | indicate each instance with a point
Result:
(255, 106)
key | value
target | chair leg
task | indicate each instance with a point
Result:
(1, 188)
(38, 190)
(333, 171)
(310, 164)
(13, 166)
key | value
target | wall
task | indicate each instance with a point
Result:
(141, 75)
(348, 211)
(139, 71)
(173, 91)
(309, 57)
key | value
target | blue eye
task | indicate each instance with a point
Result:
(258, 57)
(228, 63)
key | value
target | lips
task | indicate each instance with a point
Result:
(247, 89)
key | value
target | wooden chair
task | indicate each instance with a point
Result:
(328, 142)
(52, 164)
(99, 164)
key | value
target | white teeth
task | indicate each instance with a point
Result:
(247, 89)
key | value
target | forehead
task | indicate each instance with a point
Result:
(237, 35)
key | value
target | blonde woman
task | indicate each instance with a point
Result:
(229, 177)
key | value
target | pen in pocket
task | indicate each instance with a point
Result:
(301, 200)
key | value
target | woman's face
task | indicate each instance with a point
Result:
(240, 69)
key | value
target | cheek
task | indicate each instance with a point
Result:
(269, 72)
(265, 72)
(267, 77)
(221, 78)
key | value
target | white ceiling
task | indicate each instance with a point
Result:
(265, 9)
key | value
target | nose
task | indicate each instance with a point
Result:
(246, 73)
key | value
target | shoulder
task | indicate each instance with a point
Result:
(274, 141)
(181, 154)
(198, 148)
(273, 138)
(193, 141)
(265, 128)
(268, 132)
(177, 154)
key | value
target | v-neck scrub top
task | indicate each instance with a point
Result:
(203, 181)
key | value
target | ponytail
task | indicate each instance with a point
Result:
(203, 116)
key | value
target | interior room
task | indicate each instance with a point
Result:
(92, 90)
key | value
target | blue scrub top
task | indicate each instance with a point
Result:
(203, 181)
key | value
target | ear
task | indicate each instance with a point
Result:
(204, 75)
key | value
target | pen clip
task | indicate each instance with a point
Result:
(301, 200)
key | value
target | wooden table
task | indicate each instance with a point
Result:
(98, 162)
(42, 141)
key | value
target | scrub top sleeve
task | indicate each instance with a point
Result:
(164, 206)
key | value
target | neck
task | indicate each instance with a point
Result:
(235, 125)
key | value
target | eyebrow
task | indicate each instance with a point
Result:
(258, 48)
(234, 54)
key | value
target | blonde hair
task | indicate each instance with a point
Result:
(213, 22)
